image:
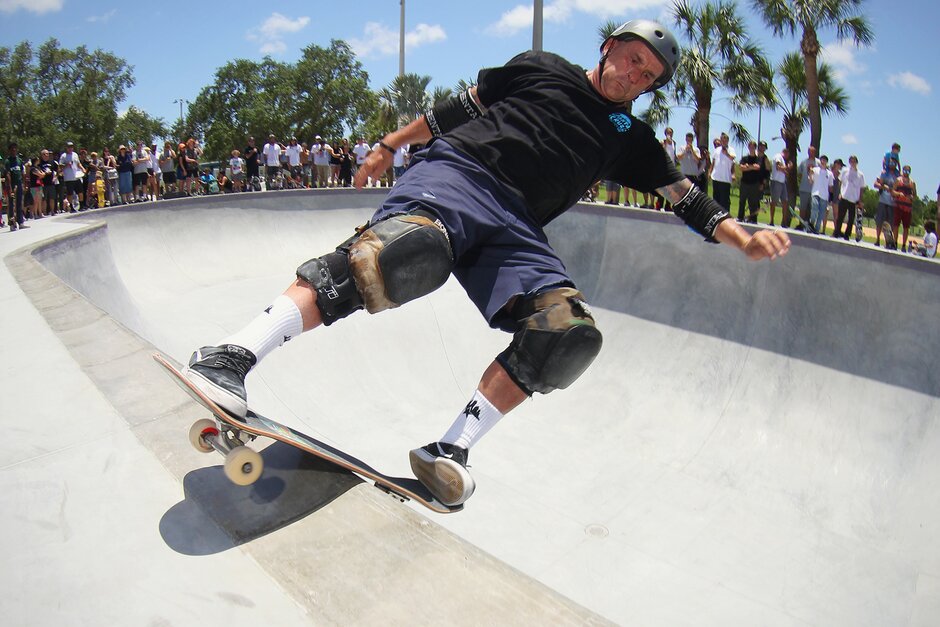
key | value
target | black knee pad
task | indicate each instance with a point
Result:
(556, 341)
(400, 259)
(337, 296)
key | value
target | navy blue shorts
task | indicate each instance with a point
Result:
(499, 252)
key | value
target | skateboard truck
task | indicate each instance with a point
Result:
(391, 492)
(243, 465)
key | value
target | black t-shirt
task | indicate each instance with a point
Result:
(48, 169)
(751, 177)
(549, 135)
(251, 162)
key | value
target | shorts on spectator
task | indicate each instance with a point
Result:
(169, 178)
(140, 178)
(778, 192)
(884, 213)
(612, 186)
(238, 176)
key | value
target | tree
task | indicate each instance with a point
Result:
(809, 17)
(718, 55)
(136, 125)
(792, 96)
(325, 92)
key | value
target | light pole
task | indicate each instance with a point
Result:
(537, 25)
(181, 101)
(401, 42)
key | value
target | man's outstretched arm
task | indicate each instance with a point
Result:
(707, 217)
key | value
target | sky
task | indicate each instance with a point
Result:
(175, 47)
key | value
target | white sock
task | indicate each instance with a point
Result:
(277, 324)
(476, 419)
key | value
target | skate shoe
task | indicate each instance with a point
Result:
(219, 372)
(442, 468)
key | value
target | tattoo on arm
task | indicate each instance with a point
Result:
(675, 191)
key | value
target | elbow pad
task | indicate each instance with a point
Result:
(451, 113)
(701, 213)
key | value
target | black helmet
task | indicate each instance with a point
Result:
(659, 39)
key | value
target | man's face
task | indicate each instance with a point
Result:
(811, 151)
(630, 69)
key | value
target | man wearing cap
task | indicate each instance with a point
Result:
(503, 158)
(13, 174)
(322, 152)
(71, 166)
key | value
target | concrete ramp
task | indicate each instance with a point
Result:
(756, 444)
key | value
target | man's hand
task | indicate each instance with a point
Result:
(767, 245)
(375, 166)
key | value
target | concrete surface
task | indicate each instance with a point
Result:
(756, 444)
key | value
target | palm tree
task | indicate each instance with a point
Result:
(719, 55)
(809, 17)
(792, 96)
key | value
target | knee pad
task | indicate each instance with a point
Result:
(388, 264)
(556, 341)
(400, 259)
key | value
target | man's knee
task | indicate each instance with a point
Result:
(555, 343)
(392, 262)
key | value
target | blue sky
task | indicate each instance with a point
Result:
(176, 46)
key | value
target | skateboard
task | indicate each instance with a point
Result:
(243, 466)
(859, 233)
(807, 227)
(890, 242)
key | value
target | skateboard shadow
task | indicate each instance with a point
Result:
(217, 515)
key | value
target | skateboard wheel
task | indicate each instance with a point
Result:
(197, 434)
(243, 465)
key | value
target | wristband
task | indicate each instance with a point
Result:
(700, 213)
(390, 150)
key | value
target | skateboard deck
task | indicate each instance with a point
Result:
(807, 227)
(243, 466)
(890, 242)
(859, 232)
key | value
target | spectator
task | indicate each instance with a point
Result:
(305, 164)
(690, 160)
(835, 191)
(142, 169)
(250, 154)
(929, 247)
(155, 173)
(110, 176)
(237, 165)
(185, 182)
(293, 152)
(361, 150)
(346, 161)
(71, 166)
(778, 187)
(905, 191)
(895, 154)
(167, 163)
(95, 174)
(806, 186)
(820, 178)
(722, 172)
(852, 183)
(83, 159)
(398, 162)
(885, 186)
(125, 168)
(751, 182)
(35, 189)
(13, 187)
(49, 179)
(321, 160)
(613, 192)
(191, 154)
(272, 159)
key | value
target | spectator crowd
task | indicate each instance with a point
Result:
(70, 180)
(826, 191)
(73, 180)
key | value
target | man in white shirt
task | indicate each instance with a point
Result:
(293, 151)
(361, 150)
(155, 172)
(322, 152)
(820, 178)
(851, 186)
(778, 187)
(272, 158)
(398, 161)
(722, 172)
(142, 167)
(71, 165)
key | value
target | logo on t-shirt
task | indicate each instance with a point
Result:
(622, 121)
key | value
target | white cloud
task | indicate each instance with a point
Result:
(271, 32)
(519, 18)
(849, 139)
(35, 6)
(102, 18)
(911, 82)
(842, 56)
(379, 40)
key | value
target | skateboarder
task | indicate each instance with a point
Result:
(503, 159)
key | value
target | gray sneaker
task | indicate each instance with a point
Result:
(219, 372)
(442, 468)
